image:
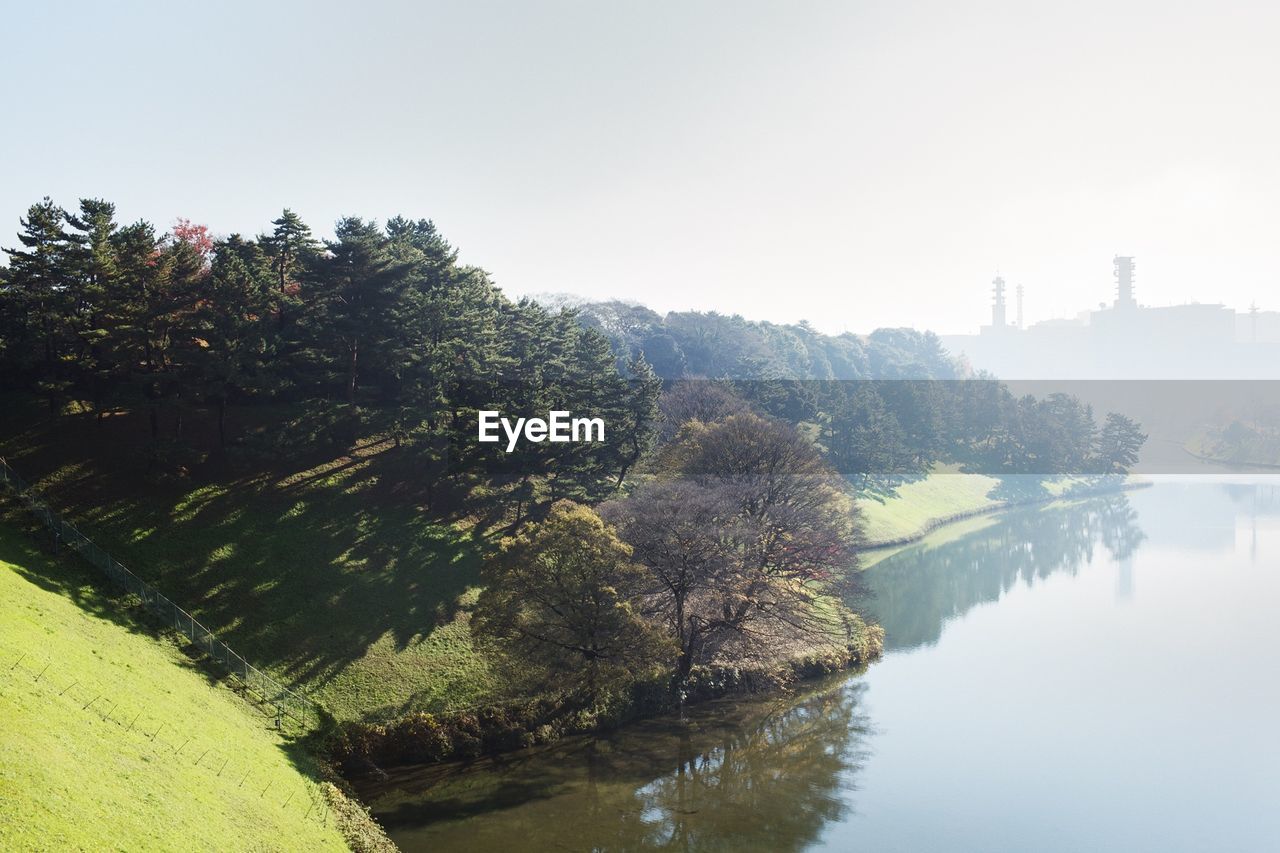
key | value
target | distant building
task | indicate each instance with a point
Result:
(1258, 327)
(1124, 282)
(998, 323)
(1126, 340)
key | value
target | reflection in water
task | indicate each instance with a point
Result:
(1255, 500)
(1079, 712)
(732, 776)
(916, 591)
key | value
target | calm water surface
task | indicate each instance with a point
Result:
(1099, 676)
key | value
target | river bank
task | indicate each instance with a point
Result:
(361, 748)
(988, 687)
(947, 496)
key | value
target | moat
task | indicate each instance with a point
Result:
(1086, 676)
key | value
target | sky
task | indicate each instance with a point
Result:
(855, 164)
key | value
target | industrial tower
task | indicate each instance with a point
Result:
(1019, 291)
(1124, 281)
(997, 307)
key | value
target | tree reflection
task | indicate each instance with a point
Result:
(733, 776)
(916, 591)
(773, 785)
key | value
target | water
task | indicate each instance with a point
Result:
(1101, 676)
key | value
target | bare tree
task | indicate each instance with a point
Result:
(747, 541)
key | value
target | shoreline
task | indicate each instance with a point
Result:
(360, 750)
(936, 524)
(1270, 466)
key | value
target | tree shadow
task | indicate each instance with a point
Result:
(1020, 488)
(300, 570)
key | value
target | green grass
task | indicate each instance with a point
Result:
(315, 572)
(83, 690)
(941, 535)
(915, 508)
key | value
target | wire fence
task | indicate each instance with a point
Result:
(285, 702)
(151, 734)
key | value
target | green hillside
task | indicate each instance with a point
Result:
(114, 739)
(314, 571)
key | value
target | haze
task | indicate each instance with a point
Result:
(853, 164)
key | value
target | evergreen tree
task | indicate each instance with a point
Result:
(357, 313)
(39, 292)
(101, 308)
(638, 410)
(864, 440)
(230, 333)
(291, 248)
(1117, 444)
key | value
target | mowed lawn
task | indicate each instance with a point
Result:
(315, 573)
(946, 494)
(112, 739)
(915, 507)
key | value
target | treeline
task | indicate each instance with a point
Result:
(708, 345)
(886, 406)
(379, 331)
(382, 332)
(880, 433)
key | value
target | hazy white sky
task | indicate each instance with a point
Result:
(857, 164)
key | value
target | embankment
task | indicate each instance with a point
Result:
(115, 739)
(422, 738)
(946, 496)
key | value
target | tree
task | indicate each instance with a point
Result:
(687, 536)
(638, 421)
(696, 400)
(864, 440)
(356, 320)
(102, 310)
(229, 335)
(560, 597)
(290, 248)
(790, 539)
(38, 292)
(1116, 447)
(182, 267)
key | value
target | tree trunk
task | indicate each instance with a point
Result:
(353, 353)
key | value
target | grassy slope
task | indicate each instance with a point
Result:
(915, 508)
(312, 572)
(77, 778)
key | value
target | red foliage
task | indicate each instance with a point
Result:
(195, 236)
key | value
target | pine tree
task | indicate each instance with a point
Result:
(39, 280)
(638, 426)
(230, 332)
(358, 312)
(291, 247)
(98, 321)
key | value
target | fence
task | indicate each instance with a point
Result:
(285, 702)
(160, 738)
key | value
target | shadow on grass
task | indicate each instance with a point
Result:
(300, 571)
